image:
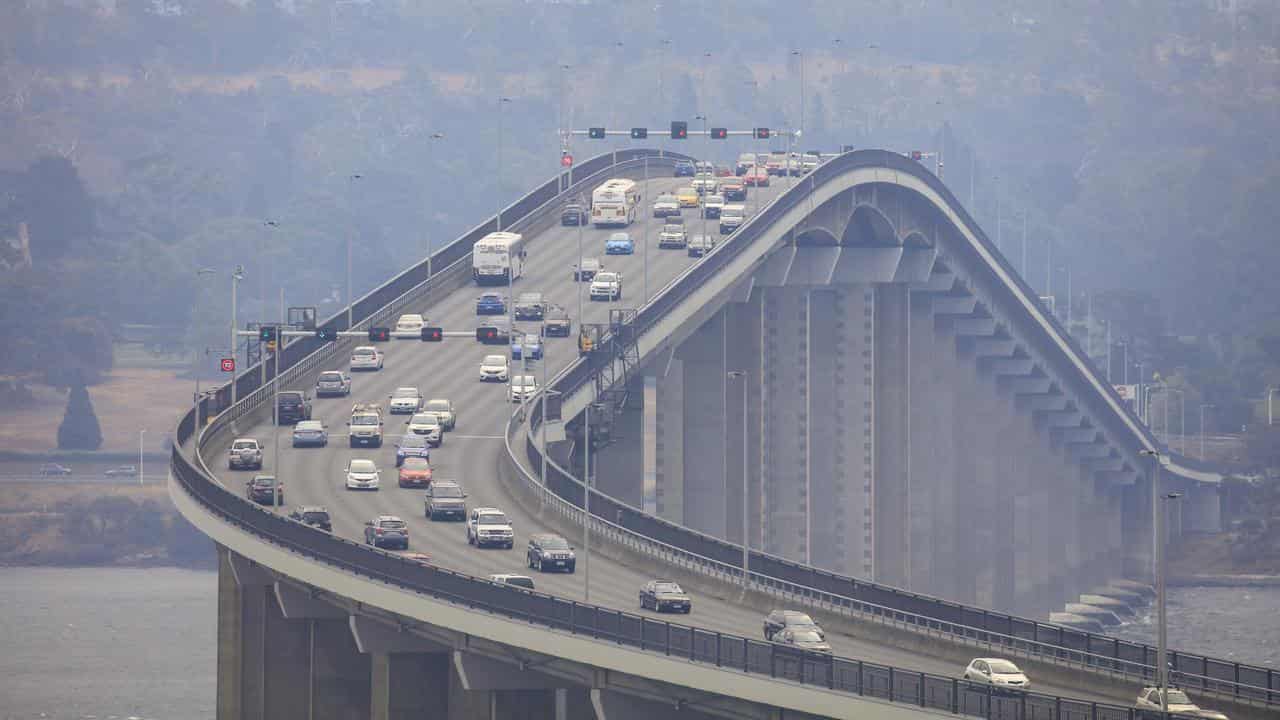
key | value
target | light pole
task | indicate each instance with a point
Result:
(662, 70)
(586, 504)
(746, 529)
(199, 274)
(141, 466)
(236, 277)
(501, 101)
(354, 177)
(1024, 243)
(1142, 401)
(430, 241)
(645, 232)
(1203, 406)
(1270, 391)
(999, 215)
(703, 188)
(275, 411)
(800, 55)
(1125, 361)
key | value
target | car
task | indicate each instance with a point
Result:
(1176, 701)
(443, 410)
(244, 454)
(366, 357)
(732, 217)
(522, 388)
(672, 236)
(778, 620)
(795, 166)
(999, 673)
(362, 474)
(687, 197)
(711, 205)
(746, 161)
(700, 245)
(445, 499)
(496, 331)
(548, 552)
(387, 531)
(706, 184)
(412, 446)
(556, 322)
(415, 472)
(573, 214)
(619, 243)
(262, 488)
(587, 269)
(528, 345)
(606, 286)
(494, 368)
(332, 383)
(704, 167)
(427, 425)
(810, 161)
(125, 471)
(663, 595)
(530, 306)
(490, 526)
(756, 177)
(491, 303)
(409, 327)
(724, 171)
(313, 515)
(405, 401)
(665, 205)
(684, 168)
(365, 425)
(523, 581)
(774, 165)
(803, 639)
(310, 433)
(292, 406)
(54, 470)
(734, 190)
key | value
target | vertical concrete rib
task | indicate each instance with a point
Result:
(253, 677)
(929, 421)
(743, 341)
(340, 673)
(703, 356)
(669, 441)
(785, 399)
(649, 439)
(231, 649)
(827, 475)
(287, 664)
(409, 686)
(891, 438)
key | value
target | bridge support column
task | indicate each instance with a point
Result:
(1136, 508)
(487, 689)
(705, 426)
(786, 436)
(1202, 509)
(409, 675)
(743, 337)
(892, 486)
(341, 675)
(668, 439)
(612, 705)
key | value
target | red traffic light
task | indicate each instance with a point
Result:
(719, 133)
(566, 160)
(432, 334)
(761, 133)
(916, 155)
(679, 129)
(379, 334)
(485, 334)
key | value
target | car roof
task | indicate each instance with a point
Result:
(495, 358)
(396, 518)
(364, 347)
(445, 483)
(484, 510)
(309, 423)
(439, 400)
(312, 508)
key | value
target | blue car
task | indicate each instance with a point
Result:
(619, 243)
(526, 346)
(491, 303)
(412, 446)
(684, 168)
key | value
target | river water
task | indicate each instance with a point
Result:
(119, 643)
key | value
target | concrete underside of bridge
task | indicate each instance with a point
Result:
(289, 651)
(897, 426)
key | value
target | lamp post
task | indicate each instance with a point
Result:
(999, 215)
(1203, 407)
(199, 274)
(430, 245)
(662, 70)
(1270, 391)
(1142, 401)
(275, 412)
(1158, 542)
(501, 101)
(746, 529)
(586, 504)
(703, 188)
(141, 466)
(354, 177)
(800, 55)
(236, 277)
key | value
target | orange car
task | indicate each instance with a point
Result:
(756, 176)
(415, 472)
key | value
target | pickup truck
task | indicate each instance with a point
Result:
(245, 454)
(365, 425)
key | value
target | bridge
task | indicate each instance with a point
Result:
(313, 625)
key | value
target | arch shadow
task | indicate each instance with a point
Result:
(868, 227)
(816, 237)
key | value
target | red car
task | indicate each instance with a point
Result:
(724, 171)
(415, 472)
(757, 177)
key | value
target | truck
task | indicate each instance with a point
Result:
(498, 258)
(365, 425)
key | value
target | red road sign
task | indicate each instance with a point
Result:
(566, 160)
(228, 364)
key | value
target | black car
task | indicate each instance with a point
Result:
(573, 214)
(313, 515)
(588, 269)
(445, 499)
(662, 595)
(530, 306)
(779, 620)
(292, 407)
(260, 490)
(556, 323)
(684, 168)
(548, 552)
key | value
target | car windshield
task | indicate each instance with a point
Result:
(425, 419)
(330, 377)
(531, 339)
(495, 359)
(244, 445)
(446, 491)
(530, 297)
(619, 237)
(666, 198)
(405, 393)
(315, 516)
(806, 636)
(439, 405)
(523, 380)
(413, 441)
(677, 229)
(364, 420)
(308, 426)
(799, 619)
(1176, 697)
(362, 466)
(685, 191)
(606, 277)
(416, 464)
(391, 524)
(554, 543)
(410, 319)
(667, 587)
(493, 519)
(1004, 667)
(363, 352)
(264, 481)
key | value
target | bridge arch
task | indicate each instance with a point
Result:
(869, 227)
(815, 237)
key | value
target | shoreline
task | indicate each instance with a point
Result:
(1216, 580)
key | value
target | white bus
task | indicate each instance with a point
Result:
(497, 258)
(615, 203)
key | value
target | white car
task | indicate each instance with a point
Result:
(493, 368)
(490, 526)
(711, 206)
(705, 184)
(1177, 701)
(522, 388)
(405, 400)
(444, 410)
(361, 474)
(366, 357)
(665, 206)
(428, 425)
(606, 286)
(409, 326)
(998, 673)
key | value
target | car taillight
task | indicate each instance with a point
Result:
(377, 531)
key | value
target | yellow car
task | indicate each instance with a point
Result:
(687, 197)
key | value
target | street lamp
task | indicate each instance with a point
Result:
(1158, 541)
(236, 277)
(199, 274)
(356, 219)
(586, 504)
(707, 150)
(662, 71)
(1203, 406)
(501, 101)
(430, 240)
(800, 55)
(746, 530)
(1270, 391)
(141, 467)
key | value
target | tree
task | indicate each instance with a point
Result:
(79, 429)
(56, 205)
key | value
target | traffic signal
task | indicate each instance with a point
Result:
(916, 155)
(486, 334)
(719, 133)
(432, 334)
(596, 133)
(679, 129)
(267, 334)
(271, 346)
(379, 334)
(639, 133)
(327, 334)
(760, 133)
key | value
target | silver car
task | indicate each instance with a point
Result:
(333, 382)
(443, 410)
(366, 357)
